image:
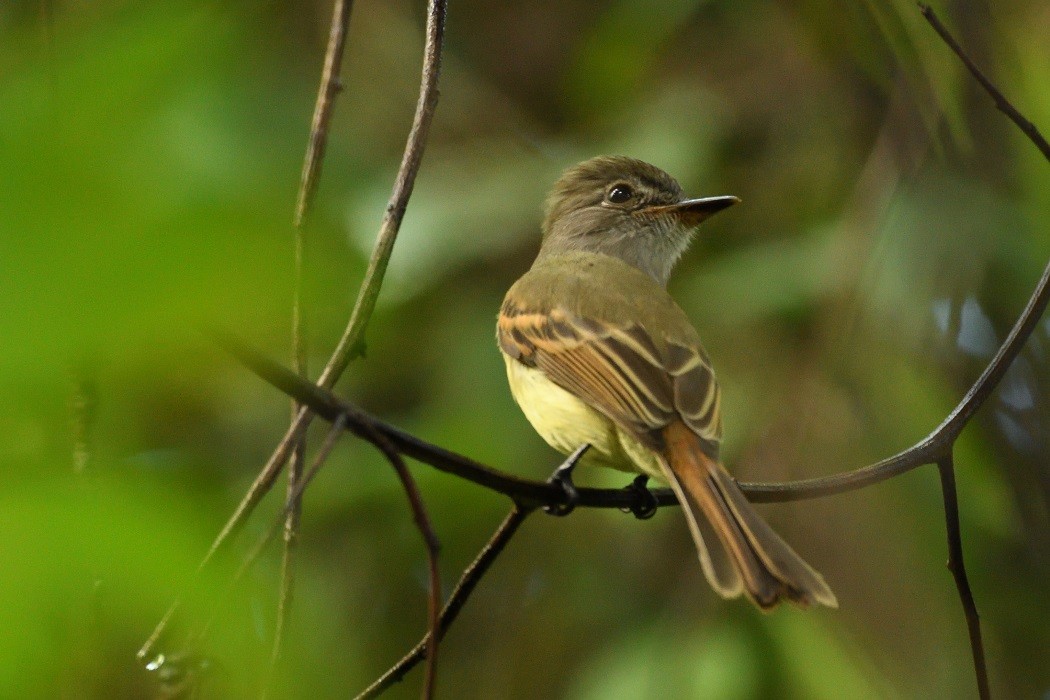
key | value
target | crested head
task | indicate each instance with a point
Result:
(626, 208)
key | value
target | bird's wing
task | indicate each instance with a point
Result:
(641, 383)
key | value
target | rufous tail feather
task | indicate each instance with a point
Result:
(755, 559)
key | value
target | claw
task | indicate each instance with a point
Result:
(645, 504)
(562, 477)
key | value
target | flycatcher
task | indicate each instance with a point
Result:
(598, 354)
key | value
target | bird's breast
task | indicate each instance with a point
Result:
(565, 422)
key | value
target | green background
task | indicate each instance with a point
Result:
(892, 227)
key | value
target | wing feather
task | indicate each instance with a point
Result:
(697, 397)
(642, 383)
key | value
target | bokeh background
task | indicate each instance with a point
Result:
(893, 226)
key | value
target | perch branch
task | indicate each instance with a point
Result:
(536, 493)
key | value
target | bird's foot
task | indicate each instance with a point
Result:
(645, 504)
(562, 477)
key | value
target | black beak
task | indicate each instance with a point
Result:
(692, 211)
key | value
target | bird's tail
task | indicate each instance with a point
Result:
(748, 556)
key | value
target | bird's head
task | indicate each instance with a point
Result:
(626, 208)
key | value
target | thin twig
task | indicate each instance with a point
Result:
(988, 380)
(256, 491)
(1001, 102)
(350, 342)
(179, 669)
(467, 582)
(422, 520)
(946, 469)
(324, 108)
(293, 508)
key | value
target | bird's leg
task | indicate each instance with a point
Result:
(562, 477)
(645, 504)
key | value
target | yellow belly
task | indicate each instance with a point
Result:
(566, 422)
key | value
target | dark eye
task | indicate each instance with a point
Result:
(620, 194)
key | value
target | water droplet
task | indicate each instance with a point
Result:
(156, 663)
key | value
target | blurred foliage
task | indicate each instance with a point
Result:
(892, 229)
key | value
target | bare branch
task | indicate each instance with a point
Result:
(537, 493)
(946, 469)
(331, 86)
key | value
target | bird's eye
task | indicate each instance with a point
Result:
(620, 194)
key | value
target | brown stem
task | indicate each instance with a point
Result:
(467, 582)
(324, 108)
(946, 469)
(422, 520)
(350, 343)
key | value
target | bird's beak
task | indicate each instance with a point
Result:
(692, 211)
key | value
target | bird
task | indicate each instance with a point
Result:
(608, 368)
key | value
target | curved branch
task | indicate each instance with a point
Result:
(537, 493)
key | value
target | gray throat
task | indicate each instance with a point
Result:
(654, 249)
